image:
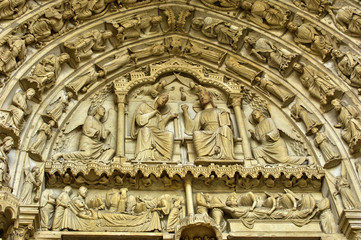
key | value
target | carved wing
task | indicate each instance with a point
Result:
(289, 133)
(79, 117)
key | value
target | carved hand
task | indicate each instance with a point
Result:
(184, 107)
(174, 115)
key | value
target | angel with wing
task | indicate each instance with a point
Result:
(92, 143)
(272, 148)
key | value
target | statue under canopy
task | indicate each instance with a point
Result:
(92, 143)
(211, 129)
(148, 127)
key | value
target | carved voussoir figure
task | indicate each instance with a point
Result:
(272, 148)
(266, 14)
(274, 88)
(329, 150)
(92, 143)
(52, 22)
(156, 49)
(350, 123)
(83, 82)
(319, 7)
(31, 183)
(348, 67)
(13, 52)
(347, 197)
(12, 119)
(319, 85)
(154, 142)
(54, 112)
(11, 9)
(242, 69)
(136, 27)
(45, 74)
(197, 51)
(267, 52)
(312, 38)
(211, 129)
(84, 10)
(225, 33)
(83, 47)
(5, 147)
(300, 112)
(44, 133)
(348, 20)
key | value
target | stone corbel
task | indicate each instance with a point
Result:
(29, 219)
(120, 86)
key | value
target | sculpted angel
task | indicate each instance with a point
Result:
(92, 143)
(154, 142)
(211, 129)
(272, 148)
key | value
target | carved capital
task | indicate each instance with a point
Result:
(121, 97)
(236, 100)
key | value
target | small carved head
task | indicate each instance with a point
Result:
(107, 34)
(156, 19)
(336, 103)
(63, 58)
(257, 115)
(205, 97)
(298, 67)
(68, 190)
(246, 5)
(292, 27)
(197, 23)
(30, 93)
(162, 99)
(83, 191)
(8, 143)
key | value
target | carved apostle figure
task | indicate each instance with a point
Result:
(176, 213)
(44, 133)
(31, 183)
(47, 204)
(349, 121)
(225, 33)
(92, 143)
(319, 85)
(5, 147)
(211, 129)
(154, 142)
(266, 14)
(45, 73)
(348, 67)
(348, 20)
(266, 52)
(213, 206)
(62, 203)
(272, 148)
(326, 217)
(314, 6)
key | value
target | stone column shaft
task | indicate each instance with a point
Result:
(120, 152)
(236, 103)
(189, 194)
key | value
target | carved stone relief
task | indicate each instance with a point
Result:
(182, 119)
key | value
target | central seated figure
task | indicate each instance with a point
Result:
(211, 129)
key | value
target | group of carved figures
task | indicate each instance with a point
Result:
(115, 210)
(249, 207)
